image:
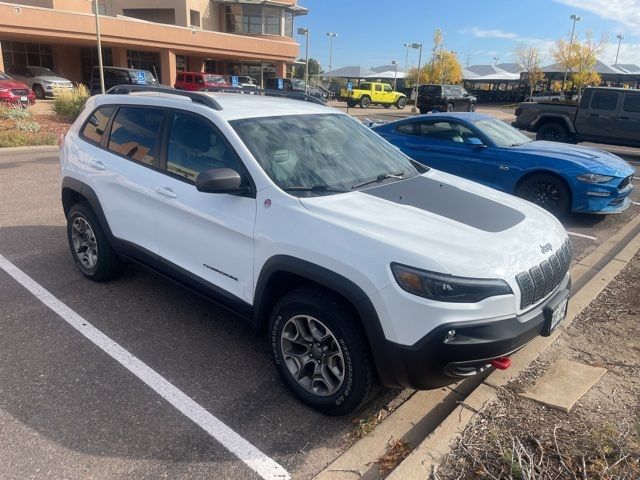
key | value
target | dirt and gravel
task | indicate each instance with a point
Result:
(599, 438)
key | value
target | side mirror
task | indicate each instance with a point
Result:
(221, 180)
(474, 142)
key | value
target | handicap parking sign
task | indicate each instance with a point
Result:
(280, 84)
(141, 77)
(234, 81)
(349, 86)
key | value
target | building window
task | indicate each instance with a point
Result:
(89, 59)
(194, 18)
(102, 8)
(32, 54)
(181, 63)
(257, 19)
(143, 60)
(288, 24)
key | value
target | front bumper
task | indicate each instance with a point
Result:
(436, 361)
(601, 198)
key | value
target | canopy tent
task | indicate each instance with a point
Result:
(350, 72)
(388, 74)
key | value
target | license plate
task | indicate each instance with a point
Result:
(555, 314)
(24, 99)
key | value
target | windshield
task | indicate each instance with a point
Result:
(326, 151)
(4, 76)
(41, 71)
(500, 133)
(214, 79)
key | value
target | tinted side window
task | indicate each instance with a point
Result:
(604, 100)
(408, 128)
(195, 146)
(446, 131)
(631, 102)
(97, 123)
(134, 133)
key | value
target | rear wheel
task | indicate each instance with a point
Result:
(450, 107)
(423, 111)
(386, 105)
(89, 246)
(546, 191)
(365, 102)
(401, 103)
(553, 132)
(320, 351)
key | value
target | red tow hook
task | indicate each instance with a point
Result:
(501, 363)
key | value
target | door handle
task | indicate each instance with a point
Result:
(97, 164)
(166, 191)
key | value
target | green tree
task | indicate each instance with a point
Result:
(314, 69)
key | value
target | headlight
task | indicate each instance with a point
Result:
(594, 178)
(447, 288)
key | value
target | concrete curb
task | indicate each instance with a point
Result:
(423, 461)
(38, 148)
(590, 276)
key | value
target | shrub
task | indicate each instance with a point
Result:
(27, 126)
(14, 112)
(24, 139)
(69, 103)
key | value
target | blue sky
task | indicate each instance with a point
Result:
(372, 32)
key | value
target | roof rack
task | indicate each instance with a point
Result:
(268, 93)
(195, 97)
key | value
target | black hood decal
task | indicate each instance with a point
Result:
(449, 202)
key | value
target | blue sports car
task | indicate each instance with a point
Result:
(556, 176)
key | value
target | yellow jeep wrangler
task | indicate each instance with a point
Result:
(368, 93)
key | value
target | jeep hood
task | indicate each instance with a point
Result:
(444, 223)
(592, 159)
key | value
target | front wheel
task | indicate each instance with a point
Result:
(401, 103)
(546, 191)
(450, 107)
(365, 102)
(351, 103)
(320, 351)
(39, 91)
(472, 107)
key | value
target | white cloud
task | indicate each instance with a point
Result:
(625, 12)
(629, 53)
(492, 33)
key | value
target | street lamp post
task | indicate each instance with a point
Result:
(100, 66)
(305, 32)
(406, 60)
(395, 73)
(575, 18)
(417, 45)
(495, 60)
(620, 38)
(331, 36)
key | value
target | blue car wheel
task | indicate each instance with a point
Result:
(547, 191)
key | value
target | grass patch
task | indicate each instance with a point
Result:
(69, 103)
(25, 139)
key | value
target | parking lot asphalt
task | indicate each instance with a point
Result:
(69, 410)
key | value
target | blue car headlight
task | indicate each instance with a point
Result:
(594, 178)
(447, 288)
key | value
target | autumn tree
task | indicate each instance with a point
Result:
(528, 57)
(580, 58)
(443, 67)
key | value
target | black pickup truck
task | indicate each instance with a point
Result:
(604, 115)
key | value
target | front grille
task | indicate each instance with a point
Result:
(20, 91)
(543, 279)
(626, 181)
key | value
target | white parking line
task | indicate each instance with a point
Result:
(582, 235)
(250, 455)
(635, 203)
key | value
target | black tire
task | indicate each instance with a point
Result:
(472, 107)
(39, 91)
(401, 103)
(423, 111)
(450, 107)
(365, 102)
(547, 191)
(386, 105)
(106, 264)
(553, 132)
(322, 306)
(351, 103)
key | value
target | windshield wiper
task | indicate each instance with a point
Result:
(313, 188)
(383, 176)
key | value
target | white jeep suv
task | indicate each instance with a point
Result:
(360, 265)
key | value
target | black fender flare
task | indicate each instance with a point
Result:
(84, 190)
(334, 281)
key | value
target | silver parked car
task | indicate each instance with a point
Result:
(545, 97)
(41, 80)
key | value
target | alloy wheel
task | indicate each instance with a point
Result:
(312, 355)
(84, 243)
(545, 194)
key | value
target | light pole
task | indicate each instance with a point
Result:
(305, 32)
(406, 60)
(620, 38)
(100, 66)
(395, 73)
(495, 60)
(417, 45)
(575, 18)
(331, 36)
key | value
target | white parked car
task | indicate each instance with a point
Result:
(545, 97)
(360, 265)
(41, 80)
